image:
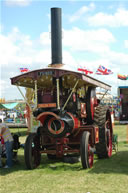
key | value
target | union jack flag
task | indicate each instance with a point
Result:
(103, 71)
(24, 70)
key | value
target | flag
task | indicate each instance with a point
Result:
(85, 70)
(103, 71)
(122, 77)
(24, 70)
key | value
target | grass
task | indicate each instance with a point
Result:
(106, 176)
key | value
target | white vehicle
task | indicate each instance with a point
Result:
(2, 115)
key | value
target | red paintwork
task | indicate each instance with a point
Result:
(76, 121)
(83, 110)
(90, 157)
(42, 116)
(109, 145)
(96, 134)
(69, 143)
(60, 129)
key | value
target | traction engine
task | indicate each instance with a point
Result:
(72, 120)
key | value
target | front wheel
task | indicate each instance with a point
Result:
(31, 153)
(87, 156)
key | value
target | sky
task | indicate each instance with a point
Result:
(93, 33)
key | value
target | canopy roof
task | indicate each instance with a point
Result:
(45, 76)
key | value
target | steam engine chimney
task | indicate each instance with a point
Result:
(56, 36)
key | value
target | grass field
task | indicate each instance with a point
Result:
(106, 176)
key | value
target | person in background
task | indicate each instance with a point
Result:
(8, 140)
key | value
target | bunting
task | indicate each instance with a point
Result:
(103, 71)
(24, 70)
(85, 70)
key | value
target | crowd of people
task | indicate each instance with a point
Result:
(6, 140)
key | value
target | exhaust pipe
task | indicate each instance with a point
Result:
(56, 36)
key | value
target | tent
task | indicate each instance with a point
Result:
(8, 106)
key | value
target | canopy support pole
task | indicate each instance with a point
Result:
(31, 122)
(70, 95)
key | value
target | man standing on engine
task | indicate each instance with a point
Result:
(8, 140)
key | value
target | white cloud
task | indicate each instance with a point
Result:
(43, 57)
(15, 53)
(45, 38)
(83, 10)
(19, 50)
(118, 19)
(7, 51)
(20, 3)
(87, 40)
(90, 40)
(3, 87)
(16, 49)
(17, 36)
(118, 58)
(126, 43)
(69, 61)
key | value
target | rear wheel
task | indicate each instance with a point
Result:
(32, 154)
(102, 118)
(87, 156)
